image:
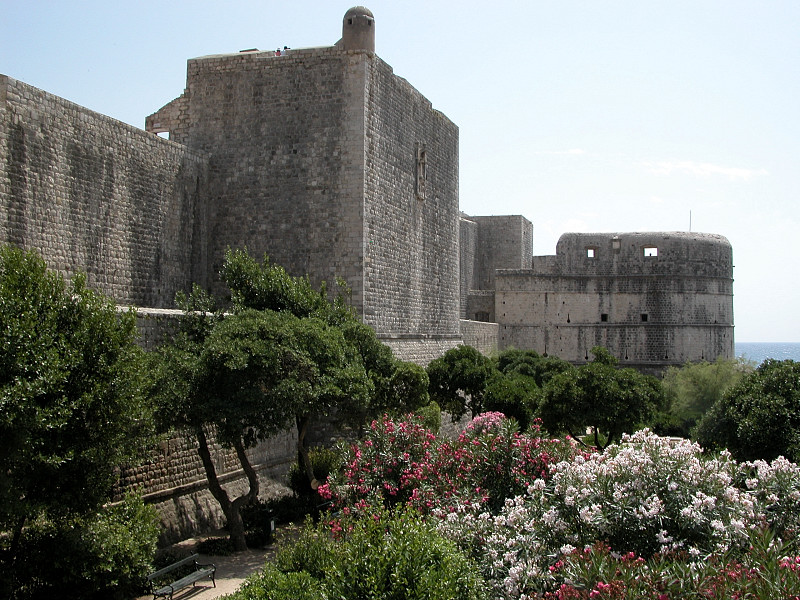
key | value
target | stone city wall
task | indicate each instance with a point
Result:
(411, 208)
(484, 337)
(92, 194)
(468, 239)
(174, 481)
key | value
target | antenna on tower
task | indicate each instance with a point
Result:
(690, 221)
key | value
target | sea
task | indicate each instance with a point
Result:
(757, 352)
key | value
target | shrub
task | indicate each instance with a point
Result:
(514, 395)
(648, 496)
(692, 390)
(763, 571)
(101, 556)
(385, 467)
(759, 417)
(431, 417)
(400, 462)
(387, 555)
(273, 584)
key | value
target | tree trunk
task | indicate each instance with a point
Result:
(17, 536)
(230, 509)
(302, 451)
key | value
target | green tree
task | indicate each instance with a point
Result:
(515, 395)
(265, 286)
(72, 402)
(458, 380)
(284, 356)
(531, 364)
(694, 388)
(255, 374)
(598, 395)
(759, 417)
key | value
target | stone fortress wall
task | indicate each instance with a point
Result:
(93, 194)
(321, 158)
(653, 299)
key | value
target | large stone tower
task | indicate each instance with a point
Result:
(325, 160)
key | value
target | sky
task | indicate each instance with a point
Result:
(587, 116)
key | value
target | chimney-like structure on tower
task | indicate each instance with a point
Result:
(358, 30)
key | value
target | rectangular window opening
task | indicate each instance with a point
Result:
(604, 317)
(590, 253)
(644, 317)
(650, 251)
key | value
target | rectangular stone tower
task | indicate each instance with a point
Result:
(333, 166)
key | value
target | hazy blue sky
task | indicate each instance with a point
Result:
(582, 116)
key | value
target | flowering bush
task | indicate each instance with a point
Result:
(400, 461)
(385, 468)
(649, 517)
(597, 572)
(651, 494)
(776, 488)
(645, 495)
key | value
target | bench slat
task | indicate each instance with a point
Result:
(189, 560)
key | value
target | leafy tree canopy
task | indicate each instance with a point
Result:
(286, 355)
(72, 404)
(759, 417)
(600, 396)
(694, 388)
(532, 364)
(458, 380)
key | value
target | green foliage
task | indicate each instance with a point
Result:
(694, 388)
(532, 364)
(404, 390)
(269, 287)
(458, 380)
(105, 555)
(759, 417)
(71, 407)
(285, 356)
(324, 461)
(72, 410)
(430, 417)
(273, 584)
(385, 555)
(515, 395)
(611, 401)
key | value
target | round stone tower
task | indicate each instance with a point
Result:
(358, 29)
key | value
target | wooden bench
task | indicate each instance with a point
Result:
(202, 571)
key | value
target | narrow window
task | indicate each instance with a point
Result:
(644, 317)
(422, 171)
(604, 317)
(590, 253)
(650, 251)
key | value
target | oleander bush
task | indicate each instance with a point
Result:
(646, 496)
(532, 518)
(399, 461)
